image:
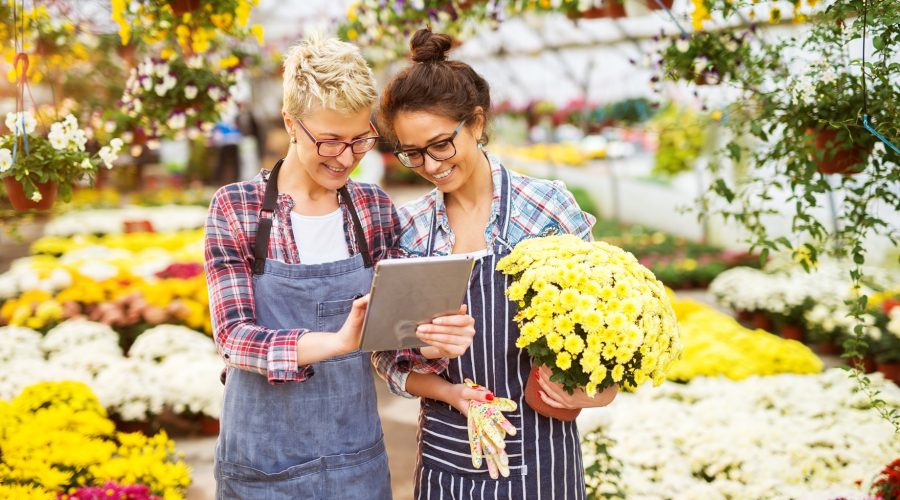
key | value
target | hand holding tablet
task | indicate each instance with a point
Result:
(407, 293)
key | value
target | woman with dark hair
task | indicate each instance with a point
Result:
(437, 111)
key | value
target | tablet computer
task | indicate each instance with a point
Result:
(409, 292)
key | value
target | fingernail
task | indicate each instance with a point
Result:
(489, 397)
(475, 386)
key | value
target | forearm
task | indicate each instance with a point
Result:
(431, 386)
(313, 347)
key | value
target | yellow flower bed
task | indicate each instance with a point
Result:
(186, 246)
(717, 345)
(566, 154)
(170, 299)
(55, 437)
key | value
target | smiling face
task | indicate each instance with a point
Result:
(329, 172)
(418, 129)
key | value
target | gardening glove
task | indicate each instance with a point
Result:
(487, 431)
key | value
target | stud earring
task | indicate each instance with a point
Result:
(293, 140)
(480, 146)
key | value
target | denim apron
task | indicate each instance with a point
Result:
(321, 438)
(545, 453)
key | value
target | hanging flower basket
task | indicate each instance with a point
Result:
(45, 195)
(838, 158)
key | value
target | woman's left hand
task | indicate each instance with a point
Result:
(448, 336)
(554, 395)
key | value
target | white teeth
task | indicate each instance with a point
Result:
(335, 170)
(442, 175)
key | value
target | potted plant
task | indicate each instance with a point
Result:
(36, 167)
(683, 135)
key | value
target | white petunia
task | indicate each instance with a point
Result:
(215, 93)
(190, 92)
(5, 160)
(682, 45)
(177, 121)
(37, 196)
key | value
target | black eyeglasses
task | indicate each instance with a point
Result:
(439, 151)
(335, 148)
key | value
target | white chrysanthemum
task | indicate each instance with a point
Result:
(75, 333)
(191, 383)
(164, 341)
(19, 343)
(130, 389)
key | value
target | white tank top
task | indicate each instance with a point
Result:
(320, 238)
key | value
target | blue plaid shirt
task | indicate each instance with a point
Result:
(539, 207)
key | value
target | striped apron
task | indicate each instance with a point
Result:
(545, 453)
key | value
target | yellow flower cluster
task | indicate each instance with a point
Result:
(717, 345)
(55, 438)
(194, 31)
(591, 312)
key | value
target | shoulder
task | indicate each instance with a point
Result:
(417, 209)
(543, 207)
(238, 196)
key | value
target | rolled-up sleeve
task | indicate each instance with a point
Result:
(395, 366)
(242, 343)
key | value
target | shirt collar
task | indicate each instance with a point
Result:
(496, 180)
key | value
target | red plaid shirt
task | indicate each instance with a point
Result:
(230, 233)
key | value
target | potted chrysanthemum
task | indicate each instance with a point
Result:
(36, 167)
(592, 314)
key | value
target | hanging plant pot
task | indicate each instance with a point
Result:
(643, 7)
(891, 371)
(615, 9)
(839, 158)
(653, 5)
(611, 9)
(20, 202)
(182, 7)
(537, 404)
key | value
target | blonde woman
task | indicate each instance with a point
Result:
(289, 257)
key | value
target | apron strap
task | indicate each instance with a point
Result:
(266, 214)
(357, 227)
(501, 241)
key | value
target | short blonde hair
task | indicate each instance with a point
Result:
(327, 72)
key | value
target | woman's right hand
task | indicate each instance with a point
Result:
(459, 395)
(448, 336)
(348, 337)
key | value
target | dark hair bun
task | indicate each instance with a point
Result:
(428, 47)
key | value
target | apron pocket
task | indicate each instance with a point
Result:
(330, 315)
(300, 481)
